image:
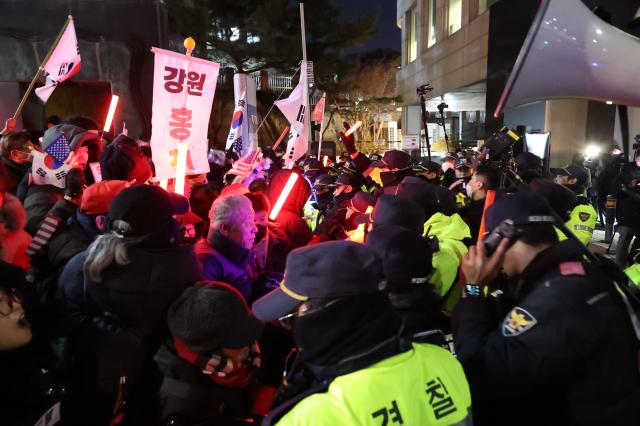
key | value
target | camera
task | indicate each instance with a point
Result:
(442, 107)
(424, 89)
(499, 144)
(503, 230)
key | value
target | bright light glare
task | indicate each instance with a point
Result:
(111, 113)
(353, 128)
(181, 167)
(592, 151)
(293, 177)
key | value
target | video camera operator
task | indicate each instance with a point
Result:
(566, 349)
(583, 217)
(628, 210)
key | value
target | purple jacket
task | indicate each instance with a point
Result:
(224, 260)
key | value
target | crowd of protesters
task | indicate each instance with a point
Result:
(381, 291)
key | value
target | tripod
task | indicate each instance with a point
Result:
(441, 109)
(422, 94)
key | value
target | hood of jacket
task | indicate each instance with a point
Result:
(140, 292)
(446, 227)
(297, 197)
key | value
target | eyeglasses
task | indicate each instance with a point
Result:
(11, 296)
(310, 309)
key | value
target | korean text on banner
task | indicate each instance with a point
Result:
(183, 90)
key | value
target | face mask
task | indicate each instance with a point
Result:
(469, 190)
(262, 232)
(24, 157)
(387, 178)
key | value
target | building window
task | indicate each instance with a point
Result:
(484, 5)
(455, 15)
(431, 24)
(412, 35)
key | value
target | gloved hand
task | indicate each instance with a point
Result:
(74, 184)
(9, 125)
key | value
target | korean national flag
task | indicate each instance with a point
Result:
(63, 63)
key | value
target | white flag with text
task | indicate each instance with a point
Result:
(183, 91)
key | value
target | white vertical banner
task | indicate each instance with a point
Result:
(183, 91)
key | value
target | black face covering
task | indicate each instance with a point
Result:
(435, 181)
(387, 178)
(261, 233)
(324, 199)
(346, 329)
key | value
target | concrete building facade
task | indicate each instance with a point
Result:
(466, 49)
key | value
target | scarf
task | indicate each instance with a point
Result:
(222, 370)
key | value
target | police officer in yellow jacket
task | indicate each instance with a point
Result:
(564, 349)
(583, 216)
(359, 367)
(443, 224)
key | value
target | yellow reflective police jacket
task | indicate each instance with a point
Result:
(422, 386)
(582, 223)
(311, 215)
(633, 272)
(450, 231)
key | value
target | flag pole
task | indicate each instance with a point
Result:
(181, 156)
(41, 68)
(305, 91)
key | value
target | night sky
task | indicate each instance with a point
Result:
(388, 35)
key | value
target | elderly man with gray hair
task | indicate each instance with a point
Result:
(225, 255)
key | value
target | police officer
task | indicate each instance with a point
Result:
(397, 165)
(407, 267)
(315, 211)
(583, 217)
(528, 166)
(464, 169)
(359, 366)
(628, 211)
(443, 224)
(428, 170)
(565, 351)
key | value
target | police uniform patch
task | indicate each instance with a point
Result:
(572, 268)
(517, 322)
(584, 216)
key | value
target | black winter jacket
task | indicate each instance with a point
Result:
(564, 354)
(120, 324)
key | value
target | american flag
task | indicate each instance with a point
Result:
(59, 149)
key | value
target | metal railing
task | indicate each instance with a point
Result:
(273, 82)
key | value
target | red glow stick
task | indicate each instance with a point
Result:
(353, 128)
(111, 113)
(283, 196)
(284, 132)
